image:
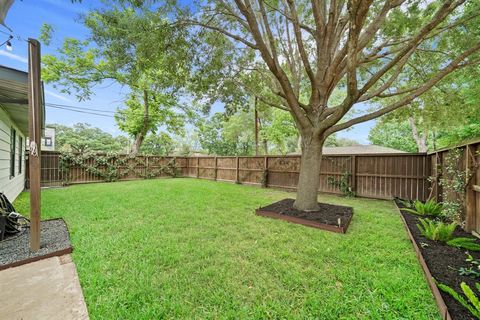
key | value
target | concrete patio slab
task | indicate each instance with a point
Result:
(45, 289)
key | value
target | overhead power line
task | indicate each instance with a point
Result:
(80, 111)
(78, 108)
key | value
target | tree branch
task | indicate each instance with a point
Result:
(452, 66)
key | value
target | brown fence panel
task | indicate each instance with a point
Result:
(387, 176)
(206, 167)
(468, 161)
(283, 171)
(226, 168)
(51, 173)
(376, 175)
(251, 169)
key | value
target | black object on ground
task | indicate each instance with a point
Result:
(55, 241)
(11, 222)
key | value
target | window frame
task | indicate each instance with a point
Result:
(20, 154)
(45, 141)
(13, 150)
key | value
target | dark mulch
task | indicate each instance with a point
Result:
(329, 215)
(54, 238)
(443, 262)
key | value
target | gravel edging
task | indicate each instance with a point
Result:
(54, 241)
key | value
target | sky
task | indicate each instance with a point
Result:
(26, 17)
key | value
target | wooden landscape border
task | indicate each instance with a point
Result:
(57, 253)
(442, 307)
(309, 223)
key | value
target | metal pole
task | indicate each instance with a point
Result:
(256, 127)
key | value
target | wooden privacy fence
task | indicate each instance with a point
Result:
(467, 160)
(381, 176)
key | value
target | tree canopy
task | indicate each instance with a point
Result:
(137, 48)
(82, 137)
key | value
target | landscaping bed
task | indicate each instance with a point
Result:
(443, 262)
(55, 241)
(330, 217)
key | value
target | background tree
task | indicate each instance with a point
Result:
(223, 135)
(280, 132)
(393, 134)
(160, 144)
(82, 137)
(137, 48)
(431, 122)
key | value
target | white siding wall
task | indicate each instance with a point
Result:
(11, 187)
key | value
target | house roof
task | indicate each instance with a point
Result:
(359, 149)
(14, 96)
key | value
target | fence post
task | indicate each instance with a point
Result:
(215, 169)
(353, 163)
(237, 179)
(265, 173)
(147, 166)
(198, 167)
(438, 176)
(470, 205)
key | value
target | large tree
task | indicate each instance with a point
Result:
(393, 134)
(306, 50)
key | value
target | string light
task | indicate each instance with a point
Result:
(9, 46)
(7, 43)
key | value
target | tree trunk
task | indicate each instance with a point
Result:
(420, 139)
(138, 143)
(140, 136)
(309, 179)
(264, 139)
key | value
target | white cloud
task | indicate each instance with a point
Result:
(58, 96)
(13, 56)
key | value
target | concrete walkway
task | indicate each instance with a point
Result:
(45, 289)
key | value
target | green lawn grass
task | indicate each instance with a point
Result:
(193, 249)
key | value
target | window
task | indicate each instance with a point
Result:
(48, 141)
(13, 139)
(20, 154)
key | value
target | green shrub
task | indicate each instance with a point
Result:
(470, 301)
(473, 270)
(406, 203)
(436, 230)
(464, 243)
(431, 207)
(343, 184)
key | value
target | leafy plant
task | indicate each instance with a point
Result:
(473, 270)
(405, 203)
(431, 207)
(464, 243)
(112, 167)
(470, 301)
(436, 230)
(343, 184)
(454, 181)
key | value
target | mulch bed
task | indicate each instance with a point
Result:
(330, 217)
(54, 241)
(443, 262)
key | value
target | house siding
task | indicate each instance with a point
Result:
(10, 186)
